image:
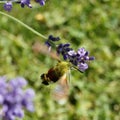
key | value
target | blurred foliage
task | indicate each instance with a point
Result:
(93, 24)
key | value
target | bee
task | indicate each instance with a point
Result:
(59, 74)
(54, 74)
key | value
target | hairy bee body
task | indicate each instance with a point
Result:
(55, 73)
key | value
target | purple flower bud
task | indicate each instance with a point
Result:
(18, 82)
(3, 85)
(41, 2)
(66, 45)
(29, 93)
(81, 52)
(8, 6)
(47, 43)
(50, 41)
(30, 107)
(72, 53)
(1, 99)
(2, 81)
(59, 48)
(5, 108)
(92, 58)
(18, 95)
(64, 49)
(18, 112)
(52, 38)
(9, 115)
(65, 56)
(82, 66)
(26, 2)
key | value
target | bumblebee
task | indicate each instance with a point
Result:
(54, 74)
(58, 74)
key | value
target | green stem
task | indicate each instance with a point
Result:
(23, 24)
(8, 1)
(3, 1)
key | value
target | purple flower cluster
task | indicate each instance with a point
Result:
(13, 99)
(78, 59)
(8, 5)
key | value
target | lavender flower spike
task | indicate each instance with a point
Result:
(13, 98)
(78, 59)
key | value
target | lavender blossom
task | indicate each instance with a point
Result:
(52, 38)
(41, 2)
(78, 59)
(82, 55)
(64, 49)
(13, 99)
(8, 6)
(26, 2)
(50, 41)
(82, 66)
(72, 57)
(82, 58)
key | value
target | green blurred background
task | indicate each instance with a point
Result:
(93, 24)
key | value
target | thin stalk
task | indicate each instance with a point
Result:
(24, 25)
(9, 1)
(74, 67)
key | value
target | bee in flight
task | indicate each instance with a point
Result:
(54, 74)
(58, 74)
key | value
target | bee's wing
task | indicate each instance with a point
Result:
(61, 90)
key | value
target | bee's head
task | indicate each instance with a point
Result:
(42, 76)
(44, 81)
